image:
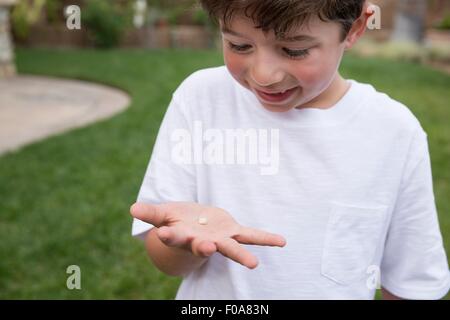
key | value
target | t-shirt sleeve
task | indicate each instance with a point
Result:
(414, 264)
(166, 179)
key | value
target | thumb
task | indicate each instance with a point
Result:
(150, 213)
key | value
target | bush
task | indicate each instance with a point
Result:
(105, 22)
(445, 23)
(200, 17)
(439, 53)
(186, 12)
(403, 51)
(24, 15)
(175, 15)
(54, 8)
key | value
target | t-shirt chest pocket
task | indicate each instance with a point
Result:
(351, 239)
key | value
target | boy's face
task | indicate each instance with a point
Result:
(306, 67)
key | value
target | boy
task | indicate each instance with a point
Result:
(346, 190)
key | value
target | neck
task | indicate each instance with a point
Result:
(328, 98)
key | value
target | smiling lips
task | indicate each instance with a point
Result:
(276, 97)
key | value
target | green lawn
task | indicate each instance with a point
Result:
(65, 201)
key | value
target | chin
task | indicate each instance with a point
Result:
(278, 109)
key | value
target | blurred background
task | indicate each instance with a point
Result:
(83, 89)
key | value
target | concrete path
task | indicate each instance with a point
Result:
(33, 108)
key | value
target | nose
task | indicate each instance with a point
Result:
(266, 72)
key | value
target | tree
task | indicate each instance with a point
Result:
(410, 21)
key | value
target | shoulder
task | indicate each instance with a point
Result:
(207, 74)
(206, 83)
(387, 113)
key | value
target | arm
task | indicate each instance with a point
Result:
(172, 261)
(414, 263)
(179, 243)
(386, 295)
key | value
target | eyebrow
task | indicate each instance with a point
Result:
(297, 38)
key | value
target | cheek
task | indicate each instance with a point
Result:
(316, 73)
(235, 64)
(308, 75)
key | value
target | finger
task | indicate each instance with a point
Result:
(233, 250)
(150, 213)
(173, 236)
(203, 248)
(259, 237)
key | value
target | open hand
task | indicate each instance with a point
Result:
(204, 230)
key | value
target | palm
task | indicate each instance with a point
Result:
(179, 226)
(219, 224)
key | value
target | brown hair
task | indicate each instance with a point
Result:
(283, 15)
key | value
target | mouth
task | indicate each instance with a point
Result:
(277, 97)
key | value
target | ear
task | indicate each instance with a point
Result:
(359, 26)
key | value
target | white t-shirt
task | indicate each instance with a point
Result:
(349, 187)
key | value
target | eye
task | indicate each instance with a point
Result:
(238, 48)
(296, 54)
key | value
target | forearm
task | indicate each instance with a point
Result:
(171, 260)
(386, 295)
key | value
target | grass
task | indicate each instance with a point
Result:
(65, 200)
